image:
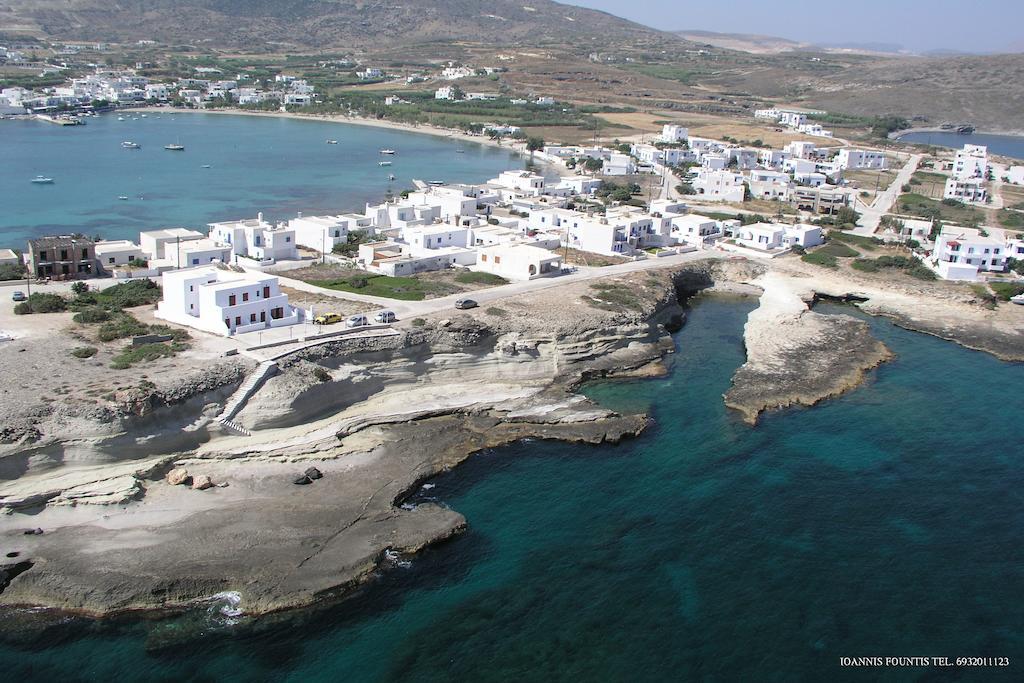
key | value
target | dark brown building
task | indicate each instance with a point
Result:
(62, 258)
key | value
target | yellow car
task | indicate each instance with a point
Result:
(327, 319)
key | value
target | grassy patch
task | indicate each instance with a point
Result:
(865, 243)
(1010, 219)
(908, 264)
(496, 312)
(401, 288)
(820, 259)
(837, 249)
(916, 204)
(612, 296)
(1006, 290)
(469, 277)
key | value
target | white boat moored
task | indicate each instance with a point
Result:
(42, 180)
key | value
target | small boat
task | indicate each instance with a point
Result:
(206, 166)
(384, 163)
(143, 115)
(460, 151)
(120, 118)
(391, 176)
(128, 144)
(123, 198)
(435, 183)
(42, 180)
(387, 151)
(175, 147)
(332, 142)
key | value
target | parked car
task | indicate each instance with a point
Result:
(463, 304)
(357, 321)
(385, 317)
(18, 295)
(327, 319)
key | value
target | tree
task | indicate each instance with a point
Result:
(845, 215)
(534, 144)
(593, 165)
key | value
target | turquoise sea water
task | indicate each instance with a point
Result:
(1007, 145)
(275, 165)
(887, 522)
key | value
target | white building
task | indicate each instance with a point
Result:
(322, 233)
(518, 261)
(962, 253)
(793, 119)
(802, 234)
(971, 162)
(113, 253)
(524, 181)
(801, 149)
(446, 92)
(156, 242)
(763, 236)
(965, 189)
(9, 257)
(719, 186)
(1015, 175)
(674, 134)
(616, 164)
(860, 158)
(771, 185)
(256, 239)
(224, 301)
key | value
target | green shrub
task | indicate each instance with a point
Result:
(496, 312)
(418, 322)
(321, 374)
(130, 294)
(837, 249)
(84, 352)
(92, 314)
(177, 333)
(12, 271)
(41, 303)
(819, 259)
(865, 264)
(120, 326)
(139, 354)
(79, 287)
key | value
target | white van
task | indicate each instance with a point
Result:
(357, 321)
(385, 317)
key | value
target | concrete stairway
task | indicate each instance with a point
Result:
(242, 394)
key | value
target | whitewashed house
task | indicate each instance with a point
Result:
(154, 243)
(446, 92)
(859, 158)
(771, 185)
(971, 162)
(674, 134)
(256, 239)
(801, 149)
(965, 189)
(113, 253)
(618, 164)
(323, 233)
(719, 186)
(763, 236)
(962, 253)
(518, 261)
(224, 301)
(802, 234)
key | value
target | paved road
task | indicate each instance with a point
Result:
(870, 216)
(407, 309)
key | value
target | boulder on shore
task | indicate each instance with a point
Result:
(313, 473)
(202, 482)
(179, 476)
(303, 480)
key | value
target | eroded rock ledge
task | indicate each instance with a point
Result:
(796, 356)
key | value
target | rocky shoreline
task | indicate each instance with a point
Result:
(378, 417)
